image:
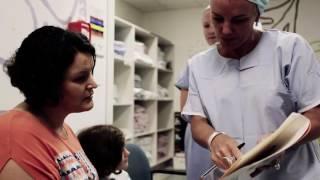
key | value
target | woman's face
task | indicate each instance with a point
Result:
(124, 162)
(77, 89)
(208, 29)
(233, 21)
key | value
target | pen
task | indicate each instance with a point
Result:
(213, 167)
(241, 145)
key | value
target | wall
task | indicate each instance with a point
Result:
(19, 18)
(128, 12)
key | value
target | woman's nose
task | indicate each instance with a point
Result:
(92, 83)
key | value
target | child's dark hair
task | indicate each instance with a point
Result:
(103, 144)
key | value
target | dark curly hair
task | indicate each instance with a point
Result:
(39, 65)
(103, 144)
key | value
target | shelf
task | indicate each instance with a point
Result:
(164, 70)
(148, 145)
(149, 99)
(143, 134)
(148, 79)
(165, 79)
(123, 117)
(121, 23)
(165, 99)
(165, 129)
(140, 64)
(143, 34)
(123, 83)
(127, 134)
(165, 115)
(120, 60)
(128, 138)
(145, 117)
(165, 145)
(164, 159)
(123, 104)
(156, 114)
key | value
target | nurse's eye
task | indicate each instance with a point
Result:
(240, 20)
(218, 19)
(207, 25)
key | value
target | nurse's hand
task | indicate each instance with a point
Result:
(224, 151)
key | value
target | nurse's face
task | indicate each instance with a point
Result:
(208, 29)
(233, 21)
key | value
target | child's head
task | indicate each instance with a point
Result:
(105, 147)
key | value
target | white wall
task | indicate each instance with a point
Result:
(19, 18)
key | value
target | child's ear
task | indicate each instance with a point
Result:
(257, 19)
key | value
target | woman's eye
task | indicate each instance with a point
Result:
(81, 78)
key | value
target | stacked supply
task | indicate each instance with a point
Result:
(163, 145)
(141, 119)
(137, 81)
(141, 94)
(163, 62)
(146, 145)
(140, 54)
(162, 92)
(120, 48)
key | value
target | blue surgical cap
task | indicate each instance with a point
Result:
(261, 4)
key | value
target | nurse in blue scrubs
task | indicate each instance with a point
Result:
(248, 84)
(197, 157)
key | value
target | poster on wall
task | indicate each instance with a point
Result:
(97, 35)
(294, 16)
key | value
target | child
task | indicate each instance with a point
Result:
(105, 147)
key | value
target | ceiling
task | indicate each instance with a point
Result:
(163, 5)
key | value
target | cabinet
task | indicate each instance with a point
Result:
(143, 89)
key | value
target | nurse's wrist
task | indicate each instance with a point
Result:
(212, 137)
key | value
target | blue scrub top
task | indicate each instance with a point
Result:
(251, 97)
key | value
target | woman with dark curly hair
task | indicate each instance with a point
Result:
(105, 147)
(53, 69)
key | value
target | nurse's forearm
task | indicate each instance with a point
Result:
(314, 116)
(183, 98)
(201, 130)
